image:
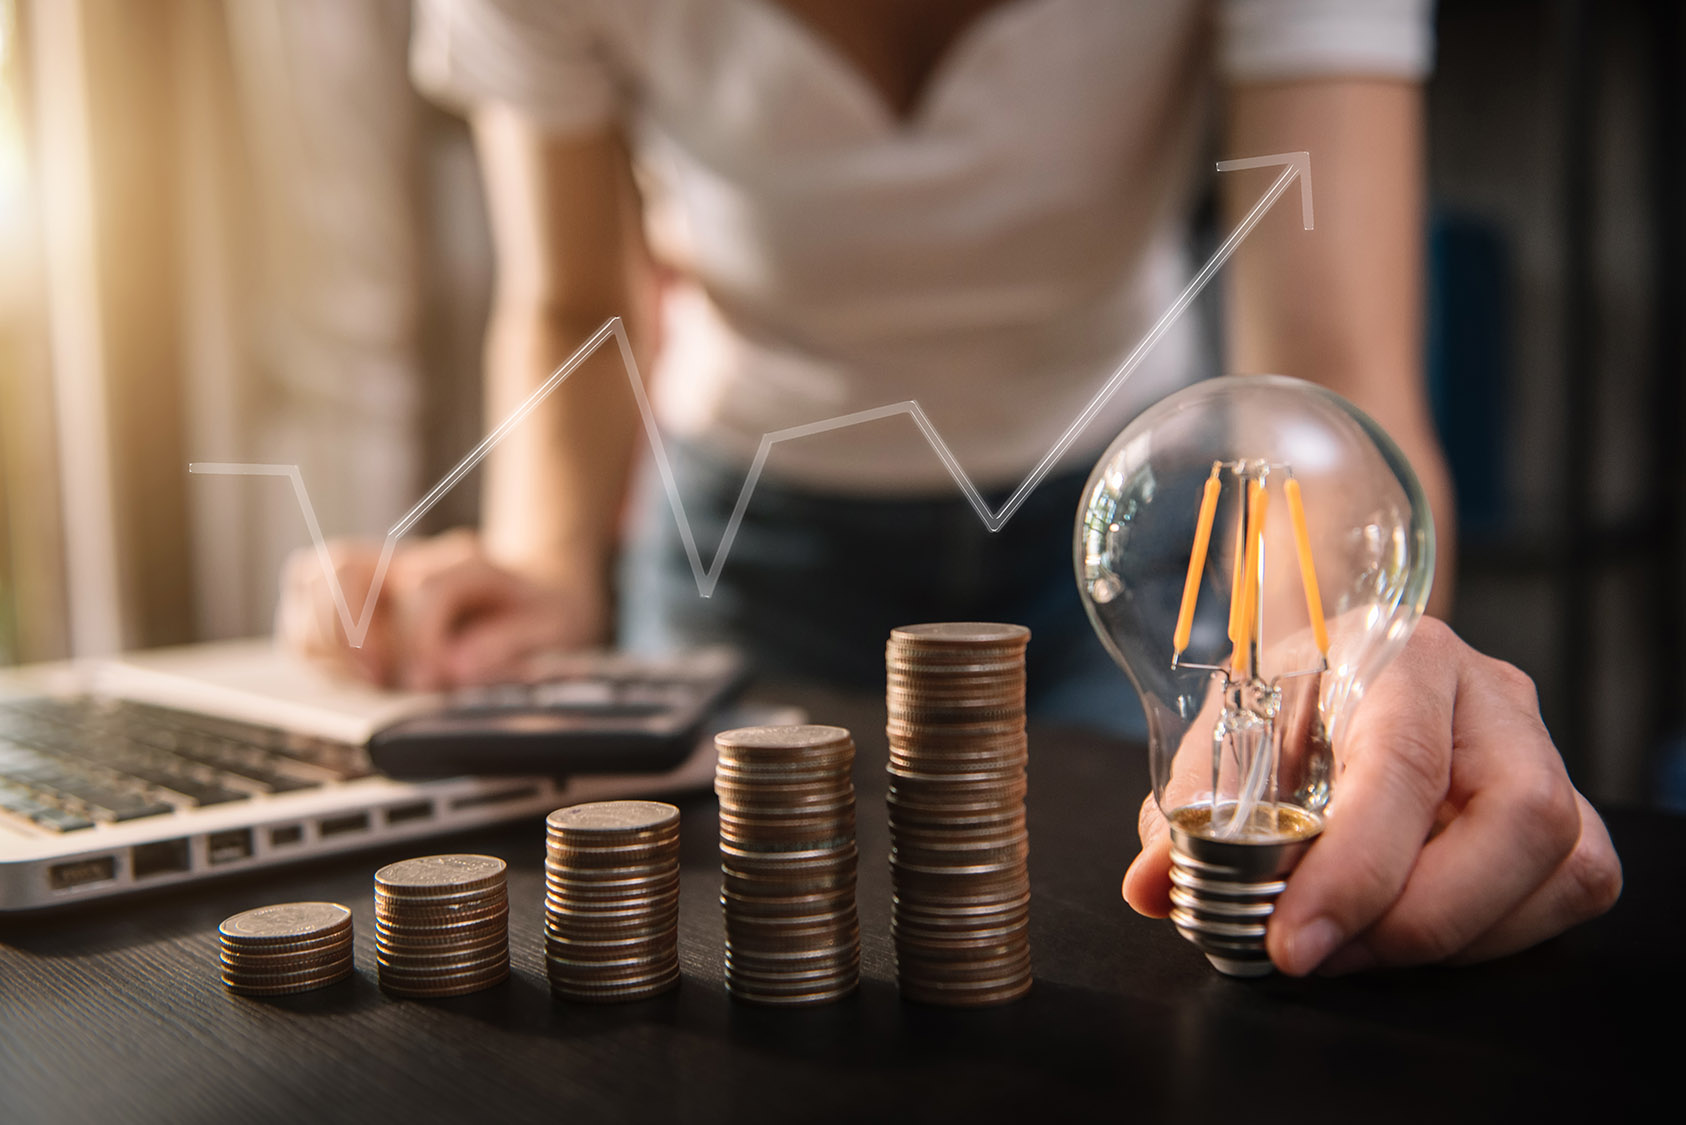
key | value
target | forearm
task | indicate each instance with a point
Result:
(1342, 305)
(564, 223)
(555, 488)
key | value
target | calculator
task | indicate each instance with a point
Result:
(577, 713)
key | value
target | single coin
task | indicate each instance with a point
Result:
(613, 817)
(946, 633)
(439, 874)
(285, 922)
(594, 839)
(805, 736)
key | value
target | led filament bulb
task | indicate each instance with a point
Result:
(1252, 551)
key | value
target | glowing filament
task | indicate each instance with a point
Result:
(1258, 501)
(1238, 574)
(1308, 571)
(1197, 560)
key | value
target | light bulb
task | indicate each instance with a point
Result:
(1252, 550)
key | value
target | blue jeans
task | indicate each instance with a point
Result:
(814, 583)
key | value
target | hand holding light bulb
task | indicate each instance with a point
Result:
(1457, 836)
(1436, 821)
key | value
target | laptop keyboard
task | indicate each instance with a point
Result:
(68, 764)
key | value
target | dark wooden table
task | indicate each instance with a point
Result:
(115, 1013)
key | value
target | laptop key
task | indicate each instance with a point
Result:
(281, 783)
(195, 790)
(20, 802)
(109, 802)
(135, 810)
(60, 821)
(203, 792)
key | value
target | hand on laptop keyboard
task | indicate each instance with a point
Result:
(446, 616)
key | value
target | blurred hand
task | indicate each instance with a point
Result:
(446, 616)
(1454, 835)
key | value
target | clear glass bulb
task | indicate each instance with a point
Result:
(1252, 550)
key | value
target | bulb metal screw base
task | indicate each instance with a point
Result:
(1224, 891)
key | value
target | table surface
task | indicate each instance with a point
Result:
(114, 1012)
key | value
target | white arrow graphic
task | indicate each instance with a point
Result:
(1295, 166)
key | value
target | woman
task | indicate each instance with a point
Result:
(977, 205)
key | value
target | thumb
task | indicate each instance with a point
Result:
(1147, 884)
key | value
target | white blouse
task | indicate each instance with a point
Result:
(993, 255)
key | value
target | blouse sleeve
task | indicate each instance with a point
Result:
(1277, 39)
(541, 57)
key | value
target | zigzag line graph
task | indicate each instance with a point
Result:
(1295, 166)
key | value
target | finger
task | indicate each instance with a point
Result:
(1147, 884)
(354, 570)
(376, 657)
(307, 620)
(438, 609)
(1398, 757)
(295, 612)
(497, 647)
(1517, 821)
(420, 558)
(1584, 885)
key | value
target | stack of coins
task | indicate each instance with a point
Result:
(959, 848)
(290, 947)
(611, 904)
(787, 851)
(442, 925)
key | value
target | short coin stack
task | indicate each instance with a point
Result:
(442, 925)
(959, 848)
(787, 852)
(290, 947)
(611, 904)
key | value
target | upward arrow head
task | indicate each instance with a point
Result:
(1299, 164)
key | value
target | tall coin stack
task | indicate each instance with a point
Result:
(958, 843)
(290, 947)
(611, 904)
(442, 925)
(787, 859)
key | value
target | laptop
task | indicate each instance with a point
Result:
(164, 768)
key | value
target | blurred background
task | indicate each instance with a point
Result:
(230, 230)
